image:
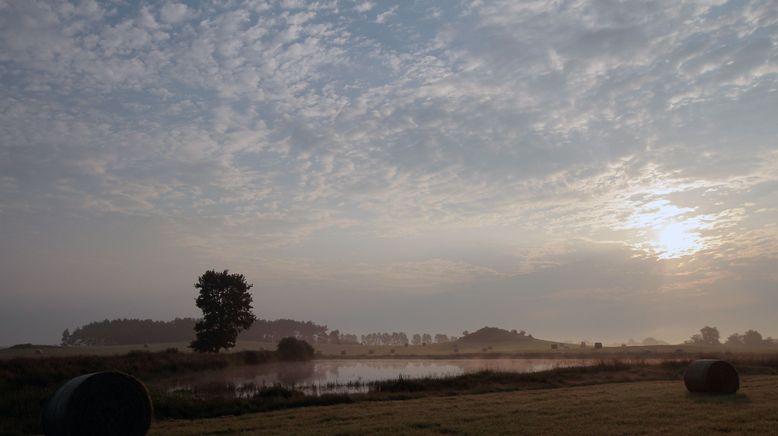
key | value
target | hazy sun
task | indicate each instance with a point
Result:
(667, 230)
(676, 240)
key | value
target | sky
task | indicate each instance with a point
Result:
(581, 170)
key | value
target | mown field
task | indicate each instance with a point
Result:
(637, 408)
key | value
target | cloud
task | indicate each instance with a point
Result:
(384, 16)
(268, 131)
(364, 7)
(174, 13)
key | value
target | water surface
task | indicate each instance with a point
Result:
(351, 376)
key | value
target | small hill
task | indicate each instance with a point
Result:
(646, 342)
(497, 336)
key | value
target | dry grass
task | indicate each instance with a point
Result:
(640, 408)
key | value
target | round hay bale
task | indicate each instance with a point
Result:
(100, 403)
(711, 376)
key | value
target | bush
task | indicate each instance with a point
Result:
(291, 349)
(251, 357)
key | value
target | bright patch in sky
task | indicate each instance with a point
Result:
(668, 231)
(676, 240)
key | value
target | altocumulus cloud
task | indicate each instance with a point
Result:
(530, 160)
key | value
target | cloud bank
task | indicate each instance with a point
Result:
(555, 166)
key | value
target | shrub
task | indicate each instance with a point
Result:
(251, 357)
(291, 349)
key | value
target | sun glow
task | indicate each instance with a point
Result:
(668, 231)
(676, 240)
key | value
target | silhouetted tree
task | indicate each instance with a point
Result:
(294, 349)
(416, 339)
(349, 339)
(735, 339)
(707, 336)
(710, 335)
(66, 337)
(441, 338)
(226, 304)
(426, 338)
(752, 337)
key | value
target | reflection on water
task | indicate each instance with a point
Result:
(350, 376)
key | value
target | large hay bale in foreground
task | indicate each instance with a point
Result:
(100, 403)
(711, 376)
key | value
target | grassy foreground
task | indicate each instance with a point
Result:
(653, 407)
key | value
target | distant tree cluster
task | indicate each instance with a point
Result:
(707, 336)
(711, 336)
(336, 337)
(401, 339)
(274, 331)
(394, 338)
(137, 331)
(749, 338)
(130, 331)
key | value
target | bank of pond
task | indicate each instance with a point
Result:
(188, 386)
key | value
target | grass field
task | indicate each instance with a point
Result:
(639, 408)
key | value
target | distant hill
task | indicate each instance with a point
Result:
(498, 336)
(647, 341)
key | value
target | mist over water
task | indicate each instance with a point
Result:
(351, 376)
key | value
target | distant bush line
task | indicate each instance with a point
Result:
(146, 331)
(140, 331)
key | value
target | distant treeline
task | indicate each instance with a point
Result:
(139, 331)
(145, 331)
(130, 331)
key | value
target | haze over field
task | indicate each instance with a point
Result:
(578, 169)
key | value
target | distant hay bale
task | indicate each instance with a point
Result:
(100, 403)
(711, 376)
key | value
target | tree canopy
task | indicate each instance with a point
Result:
(226, 304)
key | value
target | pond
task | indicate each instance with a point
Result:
(349, 376)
